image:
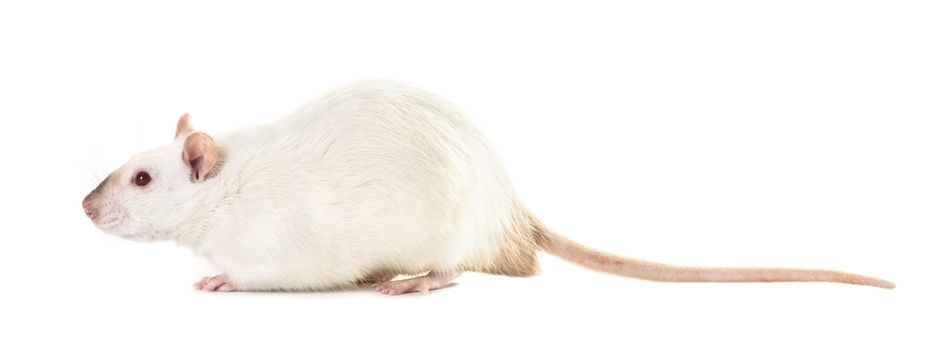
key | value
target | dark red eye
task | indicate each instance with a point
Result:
(142, 179)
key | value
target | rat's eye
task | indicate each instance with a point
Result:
(141, 179)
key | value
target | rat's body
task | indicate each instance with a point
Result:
(367, 180)
(371, 181)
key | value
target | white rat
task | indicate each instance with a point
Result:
(372, 181)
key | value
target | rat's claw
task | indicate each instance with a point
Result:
(201, 282)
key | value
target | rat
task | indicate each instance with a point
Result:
(371, 181)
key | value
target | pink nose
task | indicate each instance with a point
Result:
(89, 210)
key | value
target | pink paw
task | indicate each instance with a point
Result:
(214, 284)
(418, 284)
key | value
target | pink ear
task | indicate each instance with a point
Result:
(182, 126)
(200, 155)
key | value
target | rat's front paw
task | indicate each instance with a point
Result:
(215, 284)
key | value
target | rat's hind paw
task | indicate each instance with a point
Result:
(423, 284)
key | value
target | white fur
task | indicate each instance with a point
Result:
(375, 176)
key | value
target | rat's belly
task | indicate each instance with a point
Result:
(307, 253)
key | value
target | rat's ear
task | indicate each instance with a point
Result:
(182, 126)
(200, 155)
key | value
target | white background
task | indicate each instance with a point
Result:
(798, 133)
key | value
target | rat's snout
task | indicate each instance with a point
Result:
(89, 208)
(89, 202)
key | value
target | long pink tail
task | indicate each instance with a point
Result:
(647, 270)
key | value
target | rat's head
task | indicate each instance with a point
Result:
(156, 190)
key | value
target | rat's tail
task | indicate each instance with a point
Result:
(647, 270)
